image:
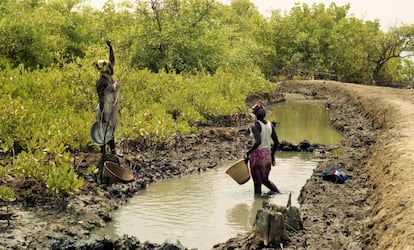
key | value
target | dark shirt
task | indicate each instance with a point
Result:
(101, 85)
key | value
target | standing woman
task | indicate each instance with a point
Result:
(262, 153)
(108, 94)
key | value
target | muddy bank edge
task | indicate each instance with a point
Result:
(385, 176)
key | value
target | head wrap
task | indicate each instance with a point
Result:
(103, 66)
(259, 110)
(257, 107)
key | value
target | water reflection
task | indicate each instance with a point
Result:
(243, 215)
(303, 119)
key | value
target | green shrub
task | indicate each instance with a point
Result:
(7, 194)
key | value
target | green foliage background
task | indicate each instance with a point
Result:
(198, 59)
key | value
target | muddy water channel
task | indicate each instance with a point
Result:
(202, 210)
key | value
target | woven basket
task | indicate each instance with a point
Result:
(116, 173)
(239, 172)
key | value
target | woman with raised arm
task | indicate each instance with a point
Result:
(108, 94)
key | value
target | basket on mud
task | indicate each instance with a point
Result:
(239, 172)
(116, 173)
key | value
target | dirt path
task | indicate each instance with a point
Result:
(373, 210)
(391, 225)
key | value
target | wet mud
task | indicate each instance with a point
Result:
(335, 216)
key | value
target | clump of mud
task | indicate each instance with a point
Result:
(126, 242)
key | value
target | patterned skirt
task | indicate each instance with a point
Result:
(260, 164)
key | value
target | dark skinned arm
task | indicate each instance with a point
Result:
(111, 56)
(103, 83)
(274, 145)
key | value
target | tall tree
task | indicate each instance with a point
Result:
(175, 35)
(389, 46)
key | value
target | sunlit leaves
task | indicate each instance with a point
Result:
(6, 193)
(318, 39)
(61, 177)
(176, 36)
(163, 104)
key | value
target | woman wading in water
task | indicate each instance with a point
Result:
(261, 155)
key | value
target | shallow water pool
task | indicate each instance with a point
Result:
(202, 210)
(205, 209)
